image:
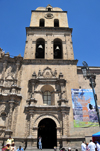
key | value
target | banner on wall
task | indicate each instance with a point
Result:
(84, 112)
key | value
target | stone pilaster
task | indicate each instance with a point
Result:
(10, 114)
(67, 123)
(63, 124)
(15, 120)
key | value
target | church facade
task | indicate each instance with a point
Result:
(35, 90)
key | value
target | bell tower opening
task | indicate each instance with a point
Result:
(47, 130)
(40, 49)
(57, 46)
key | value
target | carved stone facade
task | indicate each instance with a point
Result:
(38, 86)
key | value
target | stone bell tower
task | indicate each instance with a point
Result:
(49, 36)
(51, 73)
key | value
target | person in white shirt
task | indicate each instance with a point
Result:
(97, 146)
(83, 146)
(91, 146)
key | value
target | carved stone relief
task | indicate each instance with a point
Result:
(10, 71)
(8, 83)
(47, 73)
(3, 114)
(2, 108)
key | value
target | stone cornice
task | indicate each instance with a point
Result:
(49, 62)
(46, 29)
(11, 60)
(11, 96)
(46, 108)
(47, 80)
(95, 70)
(43, 11)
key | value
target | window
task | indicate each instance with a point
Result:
(47, 98)
(41, 22)
(40, 48)
(56, 23)
(57, 48)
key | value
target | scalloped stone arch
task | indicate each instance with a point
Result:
(37, 121)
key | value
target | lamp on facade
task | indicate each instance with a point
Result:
(91, 77)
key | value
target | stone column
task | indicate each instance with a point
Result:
(63, 124)
(4, 69)
(64, 129)
(30, 139)
(30, 124)
(10, 114)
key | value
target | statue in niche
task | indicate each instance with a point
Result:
(62, 94)
(39, 73)
(10, 71)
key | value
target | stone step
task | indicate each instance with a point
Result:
(41, 150)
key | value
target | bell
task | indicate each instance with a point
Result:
(40, 47)
(57, 48)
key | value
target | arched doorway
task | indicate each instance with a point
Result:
(47, 130)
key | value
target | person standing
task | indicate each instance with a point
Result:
(87, 148)
(10, 140)
(40, 142)
(91, 146)
(20, 149)
(97, 146)
(13, 147)
(83, 146)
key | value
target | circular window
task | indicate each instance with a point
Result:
(49, 16)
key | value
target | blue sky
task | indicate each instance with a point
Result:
(83, 17)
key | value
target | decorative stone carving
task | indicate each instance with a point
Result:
(8, 83)
(49, 6)
(6, 91)
(47, 73)
(34, 75)
(2, 108)
(4, 69)
(31, 101)
(1, 82)
(39, 73)
(1, 53)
